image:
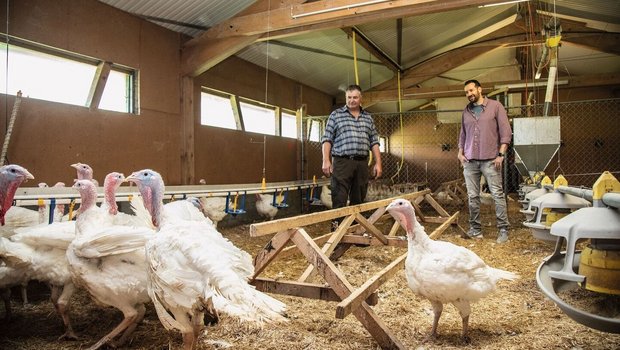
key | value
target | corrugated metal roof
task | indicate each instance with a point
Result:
(324, 59)
(190, 15)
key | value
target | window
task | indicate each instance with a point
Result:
(383, 145)
(216, 111)
(258, 119)
(53, 76)
(289, 125)
(315, 130)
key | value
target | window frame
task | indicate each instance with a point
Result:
(98, 80)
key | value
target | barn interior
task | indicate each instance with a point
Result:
(230, 99)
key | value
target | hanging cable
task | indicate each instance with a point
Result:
(357, 78)
(402, 131)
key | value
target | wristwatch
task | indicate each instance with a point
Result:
(500, 154)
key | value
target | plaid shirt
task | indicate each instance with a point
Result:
(350, 136)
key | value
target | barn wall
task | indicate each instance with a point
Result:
(49, 136)
(230, 156)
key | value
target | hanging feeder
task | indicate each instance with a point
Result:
(597, 267)
(234, 208)
(549, 208)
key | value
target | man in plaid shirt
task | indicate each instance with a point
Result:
(349, 134)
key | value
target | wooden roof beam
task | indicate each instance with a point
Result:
(361, 39)
(289, 18)
(372, 97)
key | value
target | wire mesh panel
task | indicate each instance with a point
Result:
(420, 149)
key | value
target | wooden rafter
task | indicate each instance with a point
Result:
(262, 23)
(456, 90)
(97, 85)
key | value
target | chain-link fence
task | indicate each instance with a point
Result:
(421, 149)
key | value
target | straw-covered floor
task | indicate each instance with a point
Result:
(517, 316)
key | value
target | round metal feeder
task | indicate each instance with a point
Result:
(550, 286)
(548, 209)
(588, 223)
(527, 210)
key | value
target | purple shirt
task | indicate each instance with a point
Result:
(481, 137)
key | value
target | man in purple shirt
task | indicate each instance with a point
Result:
(484, 139)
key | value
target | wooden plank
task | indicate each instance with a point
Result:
(98, 85)
(439, 230)
(435, 219)
(270, 251)
(379, 331)
(418, 211)
(370, 227)
(394, 229)
(269, 227)
(398, 241)
(436, 205)
(302, 289)
(330, 245)
(353, 301)
(188, 169)
(372, 219)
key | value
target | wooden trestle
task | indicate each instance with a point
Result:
(356, 301)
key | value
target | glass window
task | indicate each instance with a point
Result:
(289, 125)
(61, 78)
(383, 145)
(117, 95)
(216, 111)
(315, 131)
(258, 119)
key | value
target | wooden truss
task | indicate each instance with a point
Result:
(356, 301)
(454, 189)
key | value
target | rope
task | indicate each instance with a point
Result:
(357, 78)
(9, 131)
(402, 132)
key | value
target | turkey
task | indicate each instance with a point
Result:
(214, 208)
(264, 207)
(443, 272)
(326, 196)
(109, 261)
(194, 271)
(84, 172)
(12, 277)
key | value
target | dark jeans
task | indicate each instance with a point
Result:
(349, 181)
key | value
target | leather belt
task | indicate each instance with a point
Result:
(352, 157)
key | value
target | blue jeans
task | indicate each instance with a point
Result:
(473, 170)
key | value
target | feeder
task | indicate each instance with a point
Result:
(597, 267)
(234, 209)
(534, 193)
(279, 200)
(550, 207)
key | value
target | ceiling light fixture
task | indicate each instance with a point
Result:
(344, 7)
(502, 3)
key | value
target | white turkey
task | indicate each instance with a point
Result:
(264, 206)
(84, 172)
(214, 208)
(443, 272)
(326, 196)
(108, 261)
(194, 271)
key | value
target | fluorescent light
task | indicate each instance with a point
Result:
(502, 3)
(343, 7)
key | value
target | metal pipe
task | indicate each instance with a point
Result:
(584, 193)
(612, 199)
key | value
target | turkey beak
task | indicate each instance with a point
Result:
(131, 178)
(29, 176)
(76, 165)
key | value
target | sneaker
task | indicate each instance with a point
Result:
(502, 237)
(473, 233)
